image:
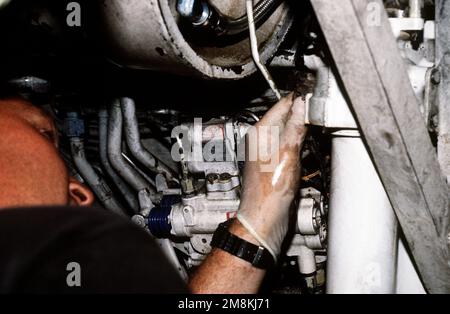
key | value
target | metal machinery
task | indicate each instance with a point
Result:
(176, 171)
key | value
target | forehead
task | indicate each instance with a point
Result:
(25, 110)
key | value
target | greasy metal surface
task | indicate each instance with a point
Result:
(443, 61)
(239, 53)
(386, 108)
(145, 35)
(327, 107)
(233, 8)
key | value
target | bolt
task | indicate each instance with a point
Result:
(188, 186)
(212, 177)
(436, 77)
(139, 220)
(435, 121)
(225, 177)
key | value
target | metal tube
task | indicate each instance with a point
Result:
(135, 179)
(115, 150)
(362, 245)
(138, 170)
(97, 184)
(146, 194)
(133, 139)
(415, 8)
(408, 280)
(127, 193)
(306, 261)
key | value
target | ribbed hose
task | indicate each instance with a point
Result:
(262, 10)
(146, 194)
(127, 193)
(133, 140)
(115, 124)
(95, 182)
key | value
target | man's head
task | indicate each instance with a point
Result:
(32, 173)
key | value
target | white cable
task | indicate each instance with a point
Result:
(255, 50)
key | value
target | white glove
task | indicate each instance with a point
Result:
(271, 180)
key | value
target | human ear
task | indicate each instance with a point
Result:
(79, 194)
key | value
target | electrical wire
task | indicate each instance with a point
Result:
(255, 50)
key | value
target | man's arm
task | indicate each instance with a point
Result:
(265, 202)
(225, 273)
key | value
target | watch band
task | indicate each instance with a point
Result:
(256, 255)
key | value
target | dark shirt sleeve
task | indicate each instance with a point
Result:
(114, 255)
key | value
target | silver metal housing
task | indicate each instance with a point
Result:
(144, 34)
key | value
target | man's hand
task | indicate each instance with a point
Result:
(272, 181)
(270, 184)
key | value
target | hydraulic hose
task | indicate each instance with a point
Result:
(146, 194)
(128, 194)
(133, 140)
(115, 150)
(97, 184)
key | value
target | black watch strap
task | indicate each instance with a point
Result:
(256, 255)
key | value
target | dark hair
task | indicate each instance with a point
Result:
(9, 91)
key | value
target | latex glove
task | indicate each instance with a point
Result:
(272, 180)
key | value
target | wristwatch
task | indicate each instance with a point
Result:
(256, 255)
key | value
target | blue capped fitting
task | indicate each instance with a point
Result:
(158, 219)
